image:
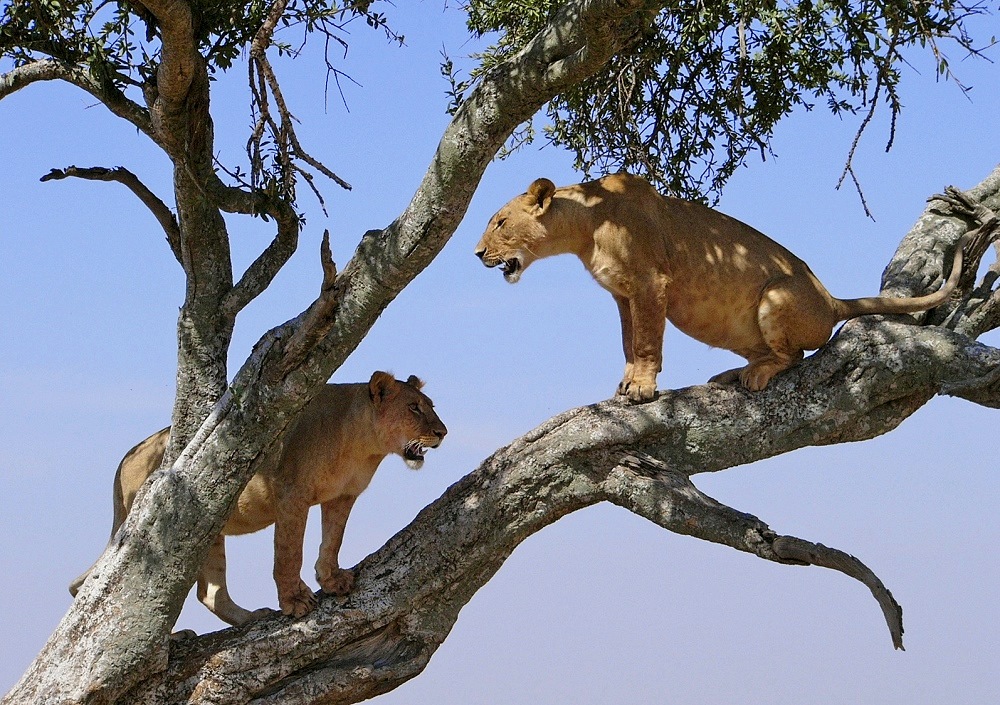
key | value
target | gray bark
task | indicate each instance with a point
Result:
(112, 646)
(408, 594)
(115, 635)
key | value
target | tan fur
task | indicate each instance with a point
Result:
(327, 457)
(662, 258)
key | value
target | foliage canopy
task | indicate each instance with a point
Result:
(706, 85)
(711, 80)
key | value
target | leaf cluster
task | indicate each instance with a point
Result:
(119, 45)
(709, 81)
(123, 34)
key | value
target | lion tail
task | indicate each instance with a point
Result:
(852, 308)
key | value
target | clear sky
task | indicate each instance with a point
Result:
(602, 606)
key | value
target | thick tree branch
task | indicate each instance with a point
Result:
(164, 216)
(409, 593)
(177, 69)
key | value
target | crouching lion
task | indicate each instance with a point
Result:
(715, 278)
(327, 457)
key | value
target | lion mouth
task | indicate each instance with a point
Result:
(510, 266)
(413, 454)
(414, 451)
(511, 269)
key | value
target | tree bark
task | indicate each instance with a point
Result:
(116, 633)
(408, 594)
(113, 647)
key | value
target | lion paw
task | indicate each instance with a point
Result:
(638, 390)
(727, 377)
(338, 582)
(297, 602)
(756, 378)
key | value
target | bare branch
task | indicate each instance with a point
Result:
(52, 69)
(266, 84)
(262, 271)
(650, 488)
(164, 216)
(789, 548)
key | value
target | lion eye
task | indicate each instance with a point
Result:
(415, 408)
(501, 222)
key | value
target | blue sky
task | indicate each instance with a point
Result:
(601, 606)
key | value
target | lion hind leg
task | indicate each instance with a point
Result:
(787, 327)
(728, 377)
(213, 592)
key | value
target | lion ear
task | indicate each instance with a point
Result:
(380, 387)
(415, 382)
(541, 192)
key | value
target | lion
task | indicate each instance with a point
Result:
(326, 457)
(715, 278)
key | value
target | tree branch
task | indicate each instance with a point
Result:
(164, 216)
(318, 318)
(409, 593)
(176, 70)
(52, 69)
(284, 136)
(979, 310)
(648, 487)
(261, 272)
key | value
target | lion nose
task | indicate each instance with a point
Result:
(480, 252)
(440, 432)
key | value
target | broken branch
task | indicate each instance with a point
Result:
(318, 318)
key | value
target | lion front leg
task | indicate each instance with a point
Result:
(648, 322)
(625, 314)
(330, 576)
(294, 597)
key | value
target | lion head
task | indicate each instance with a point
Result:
(515, 236)
(406, 417)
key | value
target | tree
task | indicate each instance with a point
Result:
(223, 424)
